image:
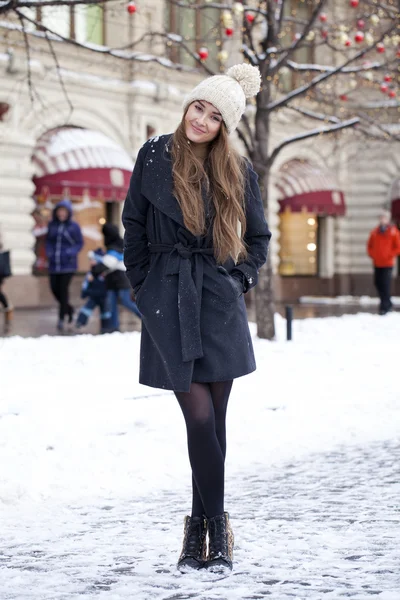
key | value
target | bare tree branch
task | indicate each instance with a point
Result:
(64, 89)
(313, 115)
(310, 134)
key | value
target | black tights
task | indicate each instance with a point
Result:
(3, 300)
(204, 408)
(59, 284)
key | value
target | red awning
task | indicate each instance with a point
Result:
(306, 187)
(396, 209)
(80, 164)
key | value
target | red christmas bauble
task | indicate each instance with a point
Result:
(250, 17)
(359, 37)
(380, 48)
(388, 78)
(360, 24)
(384, 88)
(354, 3)
(203, 53)
(347, 43)
(131, 8)
(229, 31)
(323, 17)
(392, 94)
(343, 97)
(324, 33)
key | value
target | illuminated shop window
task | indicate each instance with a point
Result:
(298, 244)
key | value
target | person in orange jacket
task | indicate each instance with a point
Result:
(383, 247)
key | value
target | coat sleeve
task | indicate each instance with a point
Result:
(257, 234)
(134, 219)
(370, 245)
(50, 241)
(76, 240)
(396, 242)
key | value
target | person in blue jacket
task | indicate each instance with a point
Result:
(95, 290)
(63, 244)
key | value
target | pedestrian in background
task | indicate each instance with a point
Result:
(5, 271)
(118, 287)
(383, 247)
(63, 244)
(95, 290)
(195, 239)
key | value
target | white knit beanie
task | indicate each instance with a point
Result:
(228, 92)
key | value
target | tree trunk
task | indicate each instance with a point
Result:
(265, 308)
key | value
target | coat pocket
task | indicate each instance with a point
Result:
(229, 290)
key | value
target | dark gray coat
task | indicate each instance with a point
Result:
(194, 317)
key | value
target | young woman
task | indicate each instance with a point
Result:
(63, 244)
(195, 238)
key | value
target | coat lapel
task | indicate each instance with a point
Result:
(157, 182)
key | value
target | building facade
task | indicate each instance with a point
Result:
(72, 127)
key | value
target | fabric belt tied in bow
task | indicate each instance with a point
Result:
(189, 292)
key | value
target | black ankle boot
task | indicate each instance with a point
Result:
(220, 543)
(194, 549)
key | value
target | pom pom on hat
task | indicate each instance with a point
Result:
(228, 92)
(248, 78)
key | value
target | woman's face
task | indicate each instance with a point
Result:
(202, 122)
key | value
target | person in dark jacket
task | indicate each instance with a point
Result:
(116, 280)
(95, 290)
(195, 238)
(63, 244)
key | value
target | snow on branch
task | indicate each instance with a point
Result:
(314, 115)
(327, 69)
(115, 52)
(312, 133)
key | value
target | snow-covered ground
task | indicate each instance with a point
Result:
(94, 475)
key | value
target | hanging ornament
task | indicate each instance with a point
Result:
(343, 37)
(395, 40)
(369, 76)
(297, 36)
(324, 33)
(343, 97)
(347, 43)
(203, 53)
(310, 36)
(238, 8)
(354, 3)
(384, 88)
(131, 8)
(323, 17)
(360, 24)
(229, 31)
(392, 94)
(227, 19)
(250, 17)
(380, 48)
(343, 27)
(359, 37)
(388, 78)
(374, 19)
(369, 38)
(223, 56)
(353, 83)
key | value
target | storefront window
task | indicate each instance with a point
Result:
(298, 243)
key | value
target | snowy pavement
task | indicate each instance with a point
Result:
(94, 477)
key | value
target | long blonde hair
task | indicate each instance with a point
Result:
(224, 182)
